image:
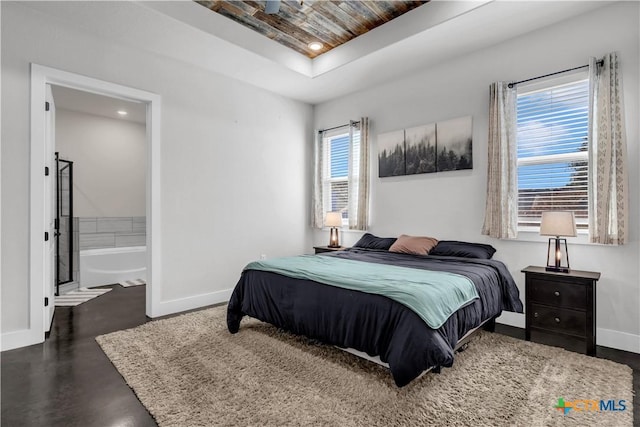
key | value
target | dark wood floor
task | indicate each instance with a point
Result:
(68, 381)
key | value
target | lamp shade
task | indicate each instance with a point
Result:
(333, 219)
(558, 223)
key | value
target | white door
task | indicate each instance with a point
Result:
(50, 210)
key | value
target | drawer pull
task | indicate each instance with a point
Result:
(535, 314)
(556, 293)
(557, 320)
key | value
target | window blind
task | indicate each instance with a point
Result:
(552, 136)
(337, 172)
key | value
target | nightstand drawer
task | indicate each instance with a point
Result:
(558, 319)
(560, 294)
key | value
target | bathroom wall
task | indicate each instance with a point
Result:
(109, 161)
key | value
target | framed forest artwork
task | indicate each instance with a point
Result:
(436, 147)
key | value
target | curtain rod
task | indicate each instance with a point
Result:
(338, 127)
(510, 85)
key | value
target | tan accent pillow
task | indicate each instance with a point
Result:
(417, 245)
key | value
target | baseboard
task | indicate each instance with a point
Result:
(20, 338)
(604, 337)
(512, 319)
(26, 337)
(189, 303)
(619, 340)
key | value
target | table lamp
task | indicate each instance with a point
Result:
(333, 220)
(558, 223)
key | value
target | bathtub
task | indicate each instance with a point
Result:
(112, 265)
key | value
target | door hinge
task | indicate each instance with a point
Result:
(46, 236)
(46, 106)
(46, 301)
(56, 224)
(46, 171)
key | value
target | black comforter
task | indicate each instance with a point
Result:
(372, 323)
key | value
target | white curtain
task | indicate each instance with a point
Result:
(317, 214)
(359, 175)
(501, 212)
(608, 180)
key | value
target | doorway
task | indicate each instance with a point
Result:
(100, 226)
(41, 224)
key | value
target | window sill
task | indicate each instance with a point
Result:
(345, 229)
(525, 235)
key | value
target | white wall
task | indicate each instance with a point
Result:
(234, 170)
(450, 205)
(109, 163)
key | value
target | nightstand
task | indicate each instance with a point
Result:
(321, 249)
(562, 304)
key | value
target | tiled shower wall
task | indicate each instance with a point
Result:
(112, 232)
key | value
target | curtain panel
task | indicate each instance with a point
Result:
(608, 179)
(359, 177)
(501, 212)
(317, 214)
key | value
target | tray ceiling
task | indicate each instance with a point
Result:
(428, 36)
(299, 23)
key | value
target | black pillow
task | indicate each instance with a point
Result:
(463, 249)
(369, 241)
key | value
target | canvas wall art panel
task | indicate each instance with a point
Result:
(391, 154)
(454, 144)
(420, 149)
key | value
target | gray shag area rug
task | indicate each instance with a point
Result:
(190, 371)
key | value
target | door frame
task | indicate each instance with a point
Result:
(40, 77)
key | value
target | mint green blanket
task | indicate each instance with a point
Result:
(432, 295)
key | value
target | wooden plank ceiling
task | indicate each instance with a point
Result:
(298, 23)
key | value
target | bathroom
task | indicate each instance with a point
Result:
(100, 143)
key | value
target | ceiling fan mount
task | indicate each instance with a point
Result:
(272, 7)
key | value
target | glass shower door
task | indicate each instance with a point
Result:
(64, 222)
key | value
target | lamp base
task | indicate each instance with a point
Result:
(333, 238)
(557, 269)
(558, 255)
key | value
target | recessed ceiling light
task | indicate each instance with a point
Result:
(122, 112)
(315, 46)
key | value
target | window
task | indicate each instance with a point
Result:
(340, 157)
(553, 156)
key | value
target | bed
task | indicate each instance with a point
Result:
(371, 323)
